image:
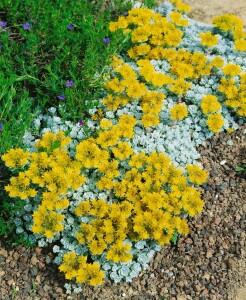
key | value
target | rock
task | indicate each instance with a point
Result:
(217, 220)
(46, 287)
(34, 260)
(4, 253)
(34, 271)
(10, 282)
(38, 278)
(189, 241)
(209, 253)
(2, 273)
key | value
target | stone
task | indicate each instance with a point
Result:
(4, 253)
(209, 253)
(10, 282)
(189, 241)
(34, 260)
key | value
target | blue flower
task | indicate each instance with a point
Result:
(1, 127)
(81, 122)
(106, 40)
(3, 24)
(69, 83)
(27, 26)
(70, 27)
(61, 97)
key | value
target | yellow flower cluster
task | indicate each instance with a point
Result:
(15, 158)
(151, 195)
(143, 204)
(75, 266)
(233, 24)
(47, 222)
(208, 39)
(147, 26)
(179, 112)
(154, 37)
(231, 70)
(215, 122)
(150, 33)
(196, 174)
(50, 170)
(210, 104)
(235, 93)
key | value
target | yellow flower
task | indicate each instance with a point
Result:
(90, 273)
(122, 151)
(114, 85)
(210, 104)
(136, 90)
(196, 174)
(97, 246)
(178, 20)
(87, 153)
(140, 34)
(47, 222)
(150, 119)
(119, 252)
(231, 69)
(105, 124)
(179, 112)
(215, 122)
(116, 61)
(107, 138)
(191, 201)
(183, 7)
(217, 62)
(16, 158)
(105, 183)
(20, 187)
(180, 86)
(208, 39)
(126, 71)
(227, 22)
(240, 45)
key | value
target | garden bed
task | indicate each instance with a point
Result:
(209, 263)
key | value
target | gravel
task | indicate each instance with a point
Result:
(209, 263)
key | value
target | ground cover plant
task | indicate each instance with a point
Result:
(106, 193)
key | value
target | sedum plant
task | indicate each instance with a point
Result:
(108, 192)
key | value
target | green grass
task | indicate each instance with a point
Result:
(36, 64)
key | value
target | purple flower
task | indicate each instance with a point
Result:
(24, 88)
(1, 127)
(27, 26)
(69, 83)
(125, 13)
(106, 40)
(81, 122)
(3, 24)
(70, 27)
(61, 97)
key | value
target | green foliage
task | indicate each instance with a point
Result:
(150, 3)
(240, 168)
(36, 64)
